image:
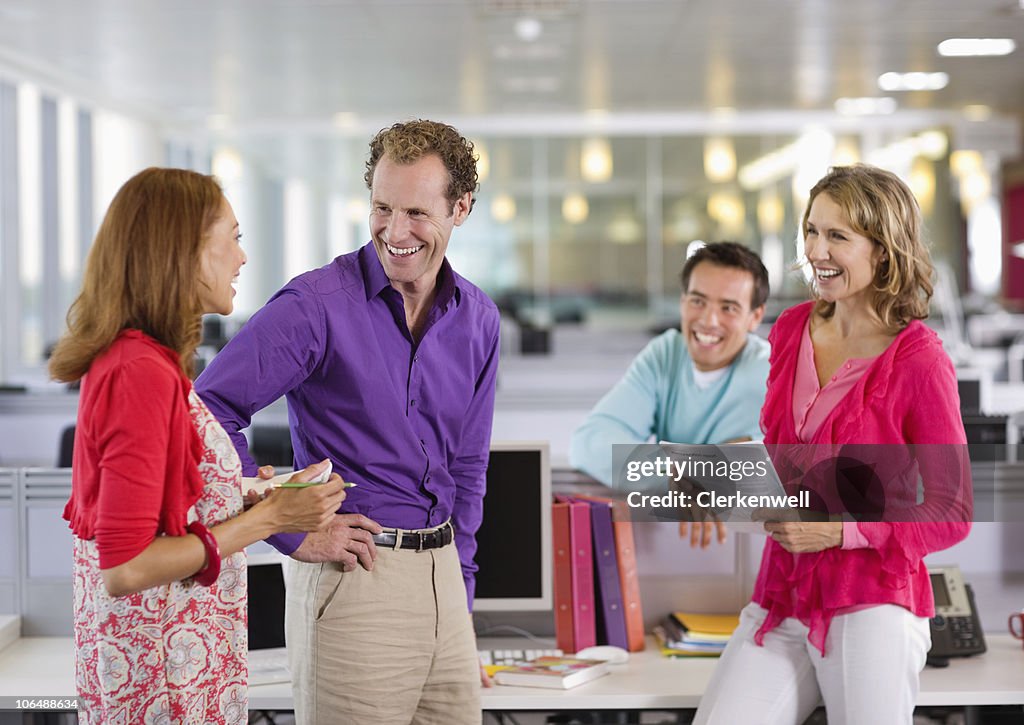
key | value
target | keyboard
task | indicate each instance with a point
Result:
(512, 656)
(269, 666)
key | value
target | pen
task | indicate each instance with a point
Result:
(307, 484)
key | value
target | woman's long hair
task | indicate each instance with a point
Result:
(143, 270)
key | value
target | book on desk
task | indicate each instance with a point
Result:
(685, 634)
(559, 673)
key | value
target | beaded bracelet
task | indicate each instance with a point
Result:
(209, 573)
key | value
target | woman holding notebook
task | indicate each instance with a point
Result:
(840, 608)
(156, 498)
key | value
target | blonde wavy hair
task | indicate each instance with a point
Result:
(408, 142)
(143, 270)
(879, 206)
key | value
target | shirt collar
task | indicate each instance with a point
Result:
(375, 279)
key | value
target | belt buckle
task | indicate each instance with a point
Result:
(422, 538)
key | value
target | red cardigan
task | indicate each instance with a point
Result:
(135, 472)
(907, 396)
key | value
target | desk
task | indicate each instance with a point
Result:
(44, 667)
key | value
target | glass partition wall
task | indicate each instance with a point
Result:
(565, 228)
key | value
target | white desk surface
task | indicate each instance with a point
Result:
(44, 667)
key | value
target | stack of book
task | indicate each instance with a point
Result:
(684, 634)
(597, 592)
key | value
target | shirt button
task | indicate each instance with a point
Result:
(412, 402)
(834, 378)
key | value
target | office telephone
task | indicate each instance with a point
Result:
(956, 629)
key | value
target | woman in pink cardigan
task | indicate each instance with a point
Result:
(840, 608)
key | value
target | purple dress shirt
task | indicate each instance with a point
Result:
(409, 422)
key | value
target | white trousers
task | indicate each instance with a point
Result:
(869, 675)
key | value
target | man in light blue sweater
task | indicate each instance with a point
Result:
(703, 384)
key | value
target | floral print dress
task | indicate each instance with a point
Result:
(175, 653)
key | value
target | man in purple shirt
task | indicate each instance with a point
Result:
(388, 360)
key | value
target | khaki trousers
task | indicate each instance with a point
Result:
(390, 646)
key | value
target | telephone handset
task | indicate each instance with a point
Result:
(956, 629)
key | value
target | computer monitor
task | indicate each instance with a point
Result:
(974, 386)
(266, 598)
(514, 541)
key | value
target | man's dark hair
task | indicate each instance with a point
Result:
(731, 254)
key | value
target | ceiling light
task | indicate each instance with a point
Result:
(847, 153)
(965, 161)
(596, 160)
(770, 212)
(724, 206)
(719, 159)
(624, 229)
(976, 46)
(483, 161)
(344, 120)
(913, 81)
(975, 186)
(922, 183)
(932, 144)
(807, 151)
(357, 209)
(978, 111)
(227, 165)
(529, 84)
(871, 106)
(575, 208)
(503, 208)
(528, 29)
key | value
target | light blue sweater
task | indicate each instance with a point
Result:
(658, 398)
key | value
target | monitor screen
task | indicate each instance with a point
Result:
(514, 541)
(970, 394)
(266, 599)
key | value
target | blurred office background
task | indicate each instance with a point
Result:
(612, 136)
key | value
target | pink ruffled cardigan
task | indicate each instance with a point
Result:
(908, 395)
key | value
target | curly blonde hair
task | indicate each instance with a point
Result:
(143, 270)
(879, 206)
(406, 143)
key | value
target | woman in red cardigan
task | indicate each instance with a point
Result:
(840, 608)
(156, 496)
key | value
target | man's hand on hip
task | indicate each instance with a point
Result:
(347, 540)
